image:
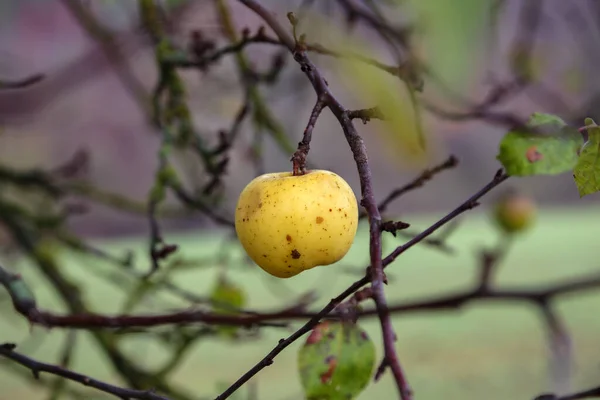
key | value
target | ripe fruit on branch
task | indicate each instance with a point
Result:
(288, 224)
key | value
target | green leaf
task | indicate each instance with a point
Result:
(587, 170)
(538, 120)
(550, 150)
(336, 361)
(227, 298)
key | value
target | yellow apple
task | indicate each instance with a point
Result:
(288, 224)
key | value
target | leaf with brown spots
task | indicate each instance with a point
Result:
(336, 362)
(550, 150)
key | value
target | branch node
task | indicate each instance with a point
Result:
(393, 226)
(366, 114)
(381, 369)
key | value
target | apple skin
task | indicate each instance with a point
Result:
(288, 224)
(515, 213)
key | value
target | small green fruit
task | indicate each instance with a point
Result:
(515, 212)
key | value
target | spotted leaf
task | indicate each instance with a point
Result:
(550, 149)
(336, 362)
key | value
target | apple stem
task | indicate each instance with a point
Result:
(299, 159)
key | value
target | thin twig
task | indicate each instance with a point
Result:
(21, 83)
(586, 394)
(7, 350)
(299, 157)
(416, 183)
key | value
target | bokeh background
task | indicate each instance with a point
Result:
(98, 76)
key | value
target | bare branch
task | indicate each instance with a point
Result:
(7, 350)
(586, 394)
(416, 183)
(299, 157)
(22, 83)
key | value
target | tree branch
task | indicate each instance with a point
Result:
(586, 394)
(416, 183)
(7, 350)
(21, 83)
(299, 157)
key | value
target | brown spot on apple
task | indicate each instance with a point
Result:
(288, 238)
(295, 254)
(319, 220)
